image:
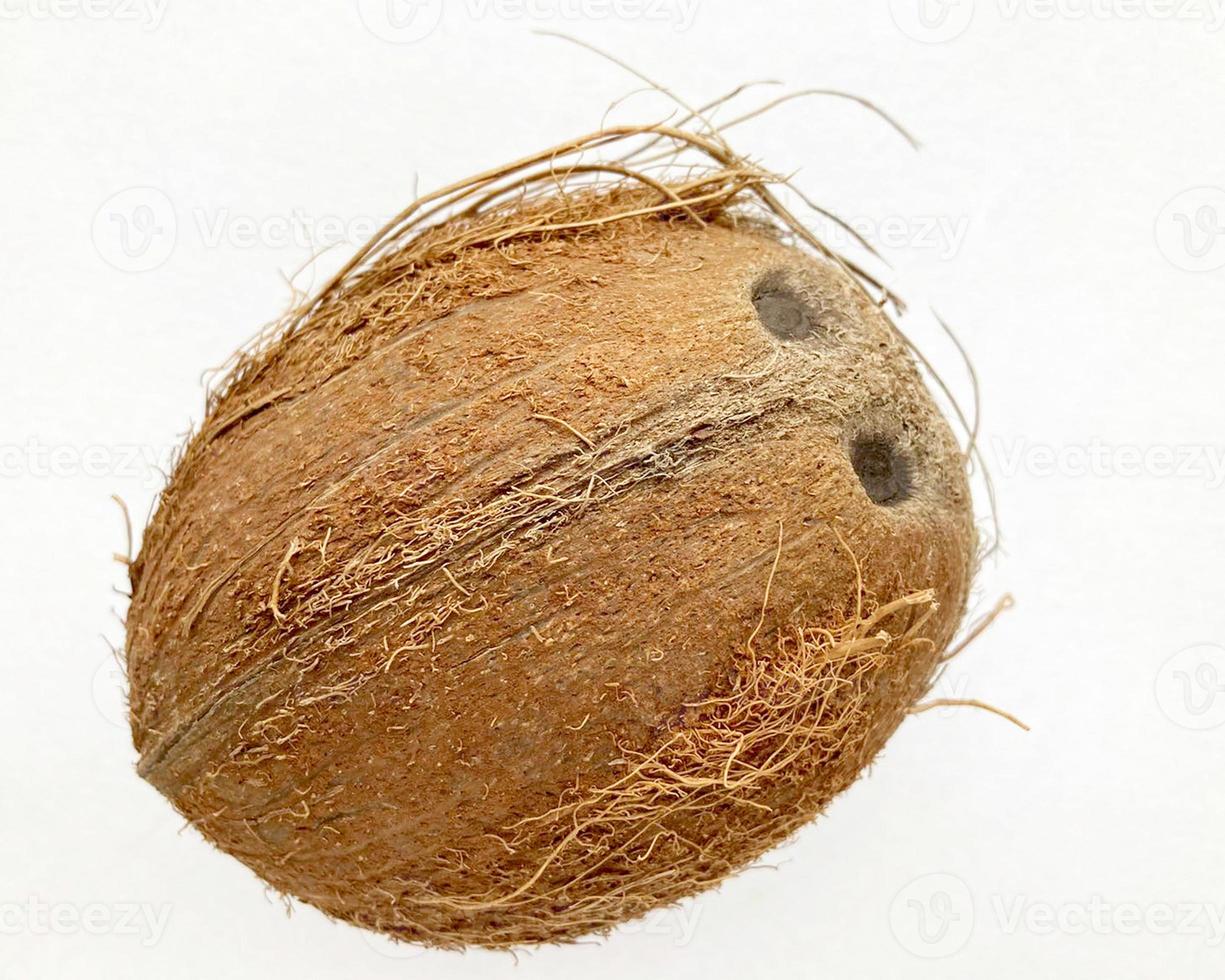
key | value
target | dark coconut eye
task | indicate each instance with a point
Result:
(781, 311)
(882, 469)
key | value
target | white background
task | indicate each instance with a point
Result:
(1070, 155)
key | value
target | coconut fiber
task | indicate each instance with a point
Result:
(577, 543)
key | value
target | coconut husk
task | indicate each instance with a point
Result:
(580, 540)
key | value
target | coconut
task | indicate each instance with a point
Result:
(582, 539)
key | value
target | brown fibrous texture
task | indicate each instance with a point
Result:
(578, 542)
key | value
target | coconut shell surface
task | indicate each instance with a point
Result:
(528, 586)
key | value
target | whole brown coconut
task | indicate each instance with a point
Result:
(553, 563)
